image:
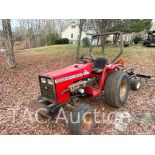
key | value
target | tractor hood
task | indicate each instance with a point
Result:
(76, 70)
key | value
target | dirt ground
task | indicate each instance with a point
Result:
(19, 87)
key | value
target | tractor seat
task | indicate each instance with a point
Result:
(99, 64)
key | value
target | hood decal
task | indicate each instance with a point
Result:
(68, 78)
(85, 72)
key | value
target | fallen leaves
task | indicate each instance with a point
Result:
(20, 87)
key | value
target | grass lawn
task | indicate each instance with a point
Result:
(133, 55)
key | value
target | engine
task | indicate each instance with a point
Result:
(78, 87)
(59, 85)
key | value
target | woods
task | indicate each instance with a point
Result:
(31, 33)
(39, 32)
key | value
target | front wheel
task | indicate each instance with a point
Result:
(82, 120)
(147, 44)
(116, 89)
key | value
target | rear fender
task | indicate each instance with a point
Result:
(106, 72)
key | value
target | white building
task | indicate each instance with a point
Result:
(72, 31)
(153, 27)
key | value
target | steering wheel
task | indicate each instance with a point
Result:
(84, 59)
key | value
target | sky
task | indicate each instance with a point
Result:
(15, 23)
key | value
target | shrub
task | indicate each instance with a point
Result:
(108, 42)
(137, 39)
(42, 42)
(85, 42)
(62, 41)
(65, 41)
(51, 38)
(126, 44)
(58, 41)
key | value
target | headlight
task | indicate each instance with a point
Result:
(49, 81)
(43, 80)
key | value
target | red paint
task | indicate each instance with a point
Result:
(78, 69)
(65, 72)
(106, 72)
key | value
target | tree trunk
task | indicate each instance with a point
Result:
(115, 39)
(79, 39)
(103, 30)
(98, 38)
(8, 43)
(103, 43)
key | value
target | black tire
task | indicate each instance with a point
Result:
(113, 89)
(147, 44)
(134, 84)
(41, 100)
(78, 113)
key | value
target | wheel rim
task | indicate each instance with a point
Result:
(138, 85)
(123, 89)
(87, 123)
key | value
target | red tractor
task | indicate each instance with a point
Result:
(91, 77)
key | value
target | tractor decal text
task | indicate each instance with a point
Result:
(68, 78)
(86, 72)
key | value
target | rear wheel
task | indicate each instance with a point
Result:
(116, 89)
(82, 120)
(134, 84)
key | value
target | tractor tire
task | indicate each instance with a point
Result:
(82, 120)
(147, 44)
(134, 84)
(116, 89)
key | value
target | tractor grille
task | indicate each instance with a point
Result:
(47, 90)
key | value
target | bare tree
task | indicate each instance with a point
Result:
(8, 43)
(79, 39)
(36, 32)
(106, 25)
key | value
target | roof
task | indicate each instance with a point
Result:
(68, 26)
